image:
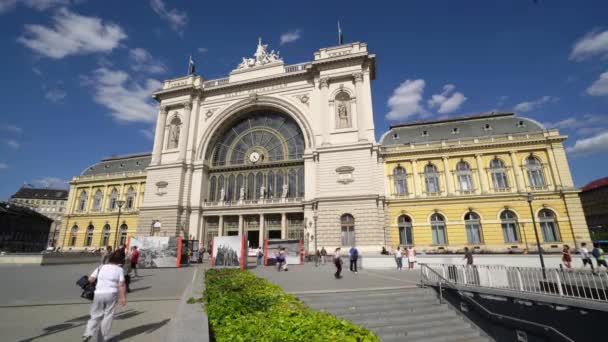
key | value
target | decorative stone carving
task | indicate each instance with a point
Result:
(253, 97)
(262, 192)
(324, 82)
(164, 110)
(241, 193)
(303, 98)
(174, 132)
(345, 174)
(161, 188)
(222, 195)
(285, 190)
(343, 112)
(187, 105)
(358, 77)
(261, 57)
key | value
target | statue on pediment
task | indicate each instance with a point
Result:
(261, 57)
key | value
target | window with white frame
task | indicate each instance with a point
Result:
(498, 173)
(534, 168)
(89, 238)
(105, 238)
(74, 236)
(438, 229)
(473, 227)
(406, 234)
(82, 201)
(97, 200)
(548, 225)
(463, 175)
(130, 198)
(113, 199)
(431, 179)
(399, 180)
(509, 224)
(347, 223)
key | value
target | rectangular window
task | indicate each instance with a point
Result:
(473, 233)
(509, 231)
(439, 237)
(549, 231)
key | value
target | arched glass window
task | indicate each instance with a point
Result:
(271, 185)
(548, 225)
(97, 200)
(123, 234)
(301, 182)
(499, 174)
(82, 201)
(292, 183)
(406, 234)
(233, 192)
(221, 191)
(431, 179)
(250, 186)
(212, 189)
(347, 223)
(105, 238)
(113, 199)
(130, 198)
(174, 131)
(534, 169)
(74, 236)
(473, 227)
(463, 175)
(438, 230)
(509, 226)
(89, 239)
(259, 182)
(279, 191)
(399, 180)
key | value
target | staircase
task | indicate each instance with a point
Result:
(398, 315)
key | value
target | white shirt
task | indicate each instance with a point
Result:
(397, 254)
(585, 253)
(108, 276)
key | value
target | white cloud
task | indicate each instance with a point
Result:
(144, 62)
(202, 50)
(595, 144)
(594, 43)
(129, 101)
(72, 34)
(55, 95)
(51, 183)
(176, 19)
(7, 5)
(448, 101)
(13, 143)
(3, 166)
(290, 37)
(534, 104)
(405, 100)
(11, 128)
(148, 133)
(581, 124)
(600, 86)
(36, 70)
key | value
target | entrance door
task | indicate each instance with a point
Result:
(253, 236)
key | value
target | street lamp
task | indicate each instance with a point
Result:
(120, 203)
(540, 251)
(315, 237)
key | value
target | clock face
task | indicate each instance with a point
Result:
(254, 157)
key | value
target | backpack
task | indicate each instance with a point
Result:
(596, 252)
(354, 253)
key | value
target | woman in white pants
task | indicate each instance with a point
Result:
(110, 287)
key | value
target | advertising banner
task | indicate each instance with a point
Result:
(157, 251)
(293, 249)
(229, 251)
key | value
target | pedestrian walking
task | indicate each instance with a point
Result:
(280, 256)
(599, 256)
(317, 257)
(585, 256)
(260, 256)
(323, 255)
(468, 255)
(353, 254)
(566, 256)
(398, 258)
(105, 254)
(126, 270)
(109, 291)
(411, 257)
(338, 263)
(134, 260)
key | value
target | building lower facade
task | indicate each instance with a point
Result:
(22, 229)
(103, 203)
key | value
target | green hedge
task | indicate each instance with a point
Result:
(244, 307)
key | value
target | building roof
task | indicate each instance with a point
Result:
(598, 183)
(471, 126)
(41, 193)
(7, 208)
(119, 164)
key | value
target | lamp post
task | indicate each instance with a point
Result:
(315, 237)
(120, 203)
(540, 251)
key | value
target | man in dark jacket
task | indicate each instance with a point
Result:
(354, 255)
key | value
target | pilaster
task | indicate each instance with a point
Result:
(324, 110)
(159, 135)
(483, 179)
(361, 122)
(183, 140)
(449, 185)
(519, 180)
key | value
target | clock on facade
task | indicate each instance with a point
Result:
(254, 157)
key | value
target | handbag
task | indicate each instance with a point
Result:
(88, 288)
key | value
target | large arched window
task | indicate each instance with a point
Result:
(259, 183)
(105, 237)
(499, 174)
(271, 185)
(292, 183)
(221, 191)
(174, 132)
(89, 238)
(212, 189)
(438, 230)
(463, 175)
(123, 234)
(347, 223)
(406, 234)
(399, 180)
(74, 235)
(300, 182)
(234, 193)
(113, 199)
(279, 191)
(82, 201)
(508, 221)
(473, 227)
(130, 198)
(250, 186)
(97, 200)
(431, 179)
(534, 168)
(548, 226)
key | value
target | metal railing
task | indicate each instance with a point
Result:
(431, 276)
(576, 284)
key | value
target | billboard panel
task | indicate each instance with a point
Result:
(228, 251)
(292, 247)
(157, 251)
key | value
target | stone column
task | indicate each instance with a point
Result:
(323, 111)
(240, 224)
(483, 179)
(416, 178)
(519, 180)
(283, 226)
(159, 134)
(220, 226)
(183, 139)
(261, 238)
(191, 143)
(361, 124)
(449, 184)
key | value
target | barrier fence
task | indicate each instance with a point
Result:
(554, 282)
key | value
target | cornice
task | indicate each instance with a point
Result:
(473, 197)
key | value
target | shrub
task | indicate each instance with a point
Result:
(243, 307)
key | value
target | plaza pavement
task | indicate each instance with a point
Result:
(42, 303)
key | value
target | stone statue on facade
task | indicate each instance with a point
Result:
(222, 195)
(262, 192)
(261, 57)
(342, 116)
(241, 193)
(174, 136)
(285, 190)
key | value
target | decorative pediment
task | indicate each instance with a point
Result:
(260, 57)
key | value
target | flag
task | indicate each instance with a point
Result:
(340, 36)
(191, 66)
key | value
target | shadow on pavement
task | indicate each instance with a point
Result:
(145, 328)
(140, 288)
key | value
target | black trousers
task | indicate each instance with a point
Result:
(353, 265)
(338, 268)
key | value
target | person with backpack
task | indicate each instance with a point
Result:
(109, 291)
(599, 256)
(354, 255)
(338, 263)
(585, 256)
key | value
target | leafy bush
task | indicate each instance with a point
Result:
(243, 307)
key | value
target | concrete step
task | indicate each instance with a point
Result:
(432, 332)
(412, 292)
(373, 308)
(396, 315)
(425, 321)
(362, 302)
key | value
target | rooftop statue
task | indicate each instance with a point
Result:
(261, 57)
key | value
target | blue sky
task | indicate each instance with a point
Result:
(77, 75)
